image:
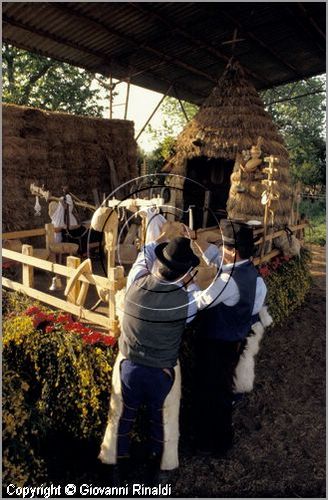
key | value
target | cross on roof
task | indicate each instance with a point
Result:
(234, 40)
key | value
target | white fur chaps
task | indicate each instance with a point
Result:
(171, 408)
(245, 370)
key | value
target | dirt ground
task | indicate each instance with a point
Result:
(279, 448)
(280, 430)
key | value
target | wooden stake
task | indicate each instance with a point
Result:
(73, 263)
(28, 271)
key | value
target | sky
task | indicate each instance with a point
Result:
(142, 103)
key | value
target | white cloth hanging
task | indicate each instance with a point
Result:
(154, 223)
(58, 216)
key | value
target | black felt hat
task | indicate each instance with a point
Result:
(237, 234)
(177, 254)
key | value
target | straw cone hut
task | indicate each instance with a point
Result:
(215, 148)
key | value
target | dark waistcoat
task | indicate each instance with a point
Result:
(232, 323)
(153, 322)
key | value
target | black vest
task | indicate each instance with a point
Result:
(233, 323)
(154, 319)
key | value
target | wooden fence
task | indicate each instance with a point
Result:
(74, 302)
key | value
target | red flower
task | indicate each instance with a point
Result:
(50, 328)
(264, 271)
(32, 310)
(64, 319)
(109, 340)
(39, 318)
(8, 264)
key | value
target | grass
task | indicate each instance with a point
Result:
(316, 213)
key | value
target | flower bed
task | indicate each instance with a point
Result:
(57, 378)
(288, 281)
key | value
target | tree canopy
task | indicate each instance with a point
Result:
(33, 80)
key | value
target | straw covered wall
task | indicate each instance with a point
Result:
(56, 149)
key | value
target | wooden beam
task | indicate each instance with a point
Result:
(265, 258)
(28, 271)
(56, 38)
(109, 64)
(72, 295)
(310, 19)
(258, 41)
(181, 106)
(153, 113)
(304, 26)
(70, 11)
(197, 41)
(84, 314)
(127, 99)
(28, 233)
(51, 267)
(296, 97)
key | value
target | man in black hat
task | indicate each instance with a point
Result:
(231, 305)
(158, 304)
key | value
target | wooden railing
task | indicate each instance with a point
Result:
(75, 300)
(114, 282)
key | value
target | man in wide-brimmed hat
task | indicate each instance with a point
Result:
(158, 304)
(232, 304)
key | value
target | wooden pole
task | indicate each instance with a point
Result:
(207, 202)
(50, 235)
(28, 271)
(73, 263)
(110, 97)
(127, 99)
(152, 114)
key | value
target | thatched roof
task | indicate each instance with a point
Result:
(231, 120)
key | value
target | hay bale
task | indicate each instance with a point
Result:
(56, 149)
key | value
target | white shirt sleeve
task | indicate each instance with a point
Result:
(224, 289)
(192, 306)
(212, 255)
(260, 294)
(143, 264)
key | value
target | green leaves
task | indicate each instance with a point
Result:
(301, 121)
(32, 80)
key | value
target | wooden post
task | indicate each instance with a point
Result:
(73, 262)
(113, 282)
(171, 216)
(127, 99)
(50, 235)
(207, 202)
(28, 271)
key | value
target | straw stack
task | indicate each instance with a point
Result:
(55, 149)
(231, 120)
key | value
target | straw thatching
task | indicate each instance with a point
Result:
(230, 122)
(57, 149)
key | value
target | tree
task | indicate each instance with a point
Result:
(174, 119)
(301, 121)
(32, 80)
